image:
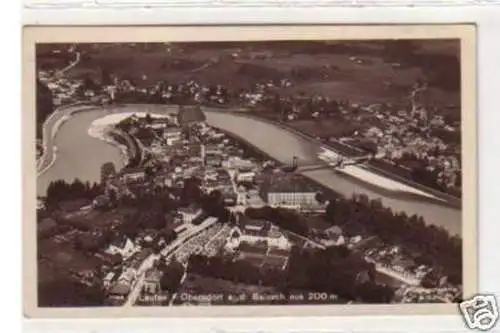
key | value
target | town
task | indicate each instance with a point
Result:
(196, 211)
(416, 141)
(197, 215)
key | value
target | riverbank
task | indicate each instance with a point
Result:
(365, 173)
(100, 129)
(105, 129)
(107, 134)
(50, 131)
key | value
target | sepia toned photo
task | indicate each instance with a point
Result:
(254, 171)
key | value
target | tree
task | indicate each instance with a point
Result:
(113, 197)
(191, 191)
(171, 277)
(330, 210)
(89, 84)
(148, 172)
(106, 79)
(44, 105)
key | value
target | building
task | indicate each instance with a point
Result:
(212, 149)
(172, 135)
(213, 160)
(290, 190)
(108, 279)
(245, 176)
(259, 232)
(230, 197)
(235, 162)
(158, 123)
(189, 214)
(123, 246)
(178, 223)
(40, 204)
(133, 174)
(152, 281)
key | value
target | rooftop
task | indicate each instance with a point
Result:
(131, 170)
(287, 183)
(254, 224)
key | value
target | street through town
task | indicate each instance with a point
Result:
(170, 250)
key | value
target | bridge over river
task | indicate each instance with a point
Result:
(80, 155)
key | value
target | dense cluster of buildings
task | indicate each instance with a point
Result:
(64, 89)
(403, 137)
(406, 139)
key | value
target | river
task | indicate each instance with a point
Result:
(81, 156)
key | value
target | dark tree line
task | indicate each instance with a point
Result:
(171, 276)
(213, 205)
(152, 219)
(44, 105)
(59, 191)
(427, 244)
(65, 292)
(224, 268)
(334, 270)
(284, 218)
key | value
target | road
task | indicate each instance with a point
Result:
(167, 252)
(71, 65)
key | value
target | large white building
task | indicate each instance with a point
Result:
(291, 198)
(256, 231)
(288, 190)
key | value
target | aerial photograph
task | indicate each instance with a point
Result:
(248, 173)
